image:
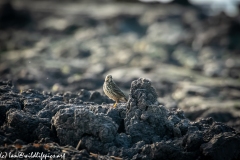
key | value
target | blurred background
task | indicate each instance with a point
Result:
(190, 50)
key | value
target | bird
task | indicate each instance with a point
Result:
(113, 91)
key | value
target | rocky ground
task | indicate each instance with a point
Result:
(54, 57)
(140, 129)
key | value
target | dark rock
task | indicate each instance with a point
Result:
(123, 140)
(92, 144)
(166, 151)
(1, 140)
(72, 123)
(115, 115)
(214, 129)
(42, 131)
(31, 93)
(18, 141)
(57, 98)
(84, 95)
(235, 125)
(145, 120)
(24, 126)
(5, 106)
(226, 142)
(75, 101)
(32, 106)
(8, 99)
(192, 140)
(68, 95)
(51, 108)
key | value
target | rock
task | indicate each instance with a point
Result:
(51, 108)
(227, 143)
(26, 127)
(9, 99)
(84, 95)
(72, 123)
(193, 139)
(32, 106)
(145, 119)
(163, 150)
(31, 93)
(123, 140)
(93, 144)
(18, 141)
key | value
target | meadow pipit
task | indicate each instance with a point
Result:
(113, 91)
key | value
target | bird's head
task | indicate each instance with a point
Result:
(108, 78)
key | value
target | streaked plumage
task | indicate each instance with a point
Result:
(113, 91)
